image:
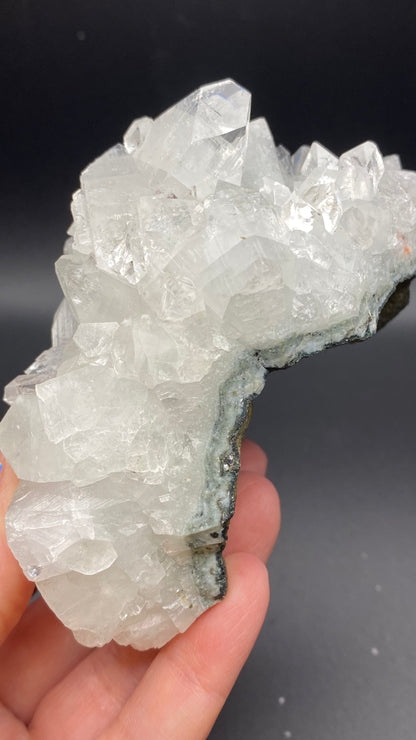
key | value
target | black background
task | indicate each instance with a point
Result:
(339, 428)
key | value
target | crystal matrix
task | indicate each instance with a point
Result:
(200, 254)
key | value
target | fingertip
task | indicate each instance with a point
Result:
(231, 627)
(253, 457)
(248, 579)
(255, 525)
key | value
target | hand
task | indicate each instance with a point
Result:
(52, 688)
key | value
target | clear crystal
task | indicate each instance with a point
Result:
(360, 172)
(200, 255)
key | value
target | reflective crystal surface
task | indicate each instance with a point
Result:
(200, 255)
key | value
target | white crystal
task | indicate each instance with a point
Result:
(317, 156)
(200, 254)
(360, 172)
(201, 139)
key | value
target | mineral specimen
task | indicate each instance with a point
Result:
(200, 254)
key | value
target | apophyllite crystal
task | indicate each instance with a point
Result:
(200, 255)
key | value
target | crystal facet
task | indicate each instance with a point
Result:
(200, 254)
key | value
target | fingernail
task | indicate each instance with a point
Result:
(1, 467)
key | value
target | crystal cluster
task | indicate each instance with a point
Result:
(200, 254)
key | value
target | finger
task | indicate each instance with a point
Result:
(253, 457)
(10, 727)
(98, 688)
(38, 653)
(256, 522)
(15, 589)
(187, 684)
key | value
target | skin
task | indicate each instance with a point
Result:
(50, 686)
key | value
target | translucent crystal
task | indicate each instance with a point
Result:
(200, 254)
(360, 172)
(202, 139)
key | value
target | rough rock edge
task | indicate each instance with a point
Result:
(223, 458)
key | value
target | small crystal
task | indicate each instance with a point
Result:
(360, 172)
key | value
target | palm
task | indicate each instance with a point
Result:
(51, 688)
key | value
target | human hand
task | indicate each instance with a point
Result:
(52, 688)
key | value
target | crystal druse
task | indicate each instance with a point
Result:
(200, 254)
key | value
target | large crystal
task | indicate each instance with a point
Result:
(200, 254)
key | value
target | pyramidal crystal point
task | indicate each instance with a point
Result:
(200, 255)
